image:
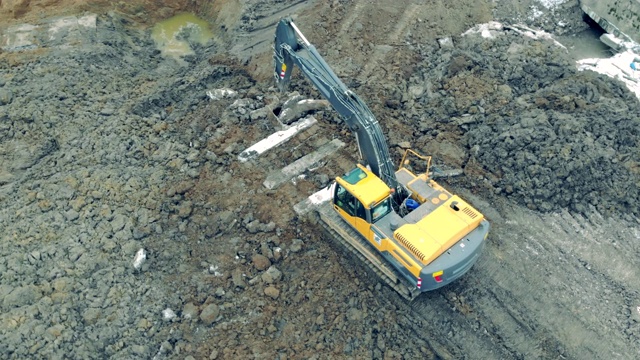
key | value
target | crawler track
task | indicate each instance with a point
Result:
(352, 241)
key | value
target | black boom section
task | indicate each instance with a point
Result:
(292, 48)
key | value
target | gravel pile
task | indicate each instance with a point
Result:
(130, 229)
(535, 128)
(86, 157)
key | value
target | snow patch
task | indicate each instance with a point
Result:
(487, 30)
(617, 67)
(493, 28)
(535, 34)
(535, 13)
(550, 4)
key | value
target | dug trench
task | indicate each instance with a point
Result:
(109, 147)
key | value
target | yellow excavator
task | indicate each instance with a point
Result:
(412, 232)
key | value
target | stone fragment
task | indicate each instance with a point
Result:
(144, 324)
(213, 355)
(185, 209)
(254, 226)
(168, 314)
(34, 257)
(272, 275)
(139, 259)
(5, 177)
(222, 93)
(140, 350)
(5, 96)
(296, 245)
(261, 262)
(209, 314)
(160, 127)
(140, 232)
(55, 330)
(71, 215)
(272, 292)
(190, 311)
(269, 226)
(118, 222)
(238, 278)
(91, 316)
(24, 295)
(354, 314)
(277, 254)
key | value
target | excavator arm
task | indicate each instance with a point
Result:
(292, 48)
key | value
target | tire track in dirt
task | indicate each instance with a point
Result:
(257, 38)
(542, 256)
(503, 308)
(354, 13)
(408, 16)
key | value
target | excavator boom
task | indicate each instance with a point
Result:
(292, 48)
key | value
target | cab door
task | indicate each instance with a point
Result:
(352, 210)
(361, 222)
(345, 204)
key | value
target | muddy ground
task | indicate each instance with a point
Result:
(107, 148)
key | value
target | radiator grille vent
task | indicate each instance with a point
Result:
(417, 253)
(470, 213)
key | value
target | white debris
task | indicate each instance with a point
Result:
(487, 30)
(492, 28)
(88, 21)
(224, 93)
(550, 4)
(168, 314)
(140, 258)
(213, 269)
(534, 34)
(445, 43)
(317, 198)
(276, 138)
(619, 43)
(617, 67)
(535, 13)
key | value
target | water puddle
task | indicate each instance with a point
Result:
(174, 36)
(586, 44)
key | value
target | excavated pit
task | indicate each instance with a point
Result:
(107, 148)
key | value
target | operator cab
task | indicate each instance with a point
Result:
(361, 194)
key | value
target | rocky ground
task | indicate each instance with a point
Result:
(107, 148)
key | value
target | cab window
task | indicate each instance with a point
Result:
(361, 212)
(344, 200)
(380, 210)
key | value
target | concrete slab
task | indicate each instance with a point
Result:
(276, 139)
(316, 199)
(617, 17)
(279, 177)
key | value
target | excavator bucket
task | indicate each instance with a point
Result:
(285, 38)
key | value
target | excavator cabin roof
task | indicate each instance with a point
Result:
(365, 186)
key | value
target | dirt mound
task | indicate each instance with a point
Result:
(546, 134)
(138, 11)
